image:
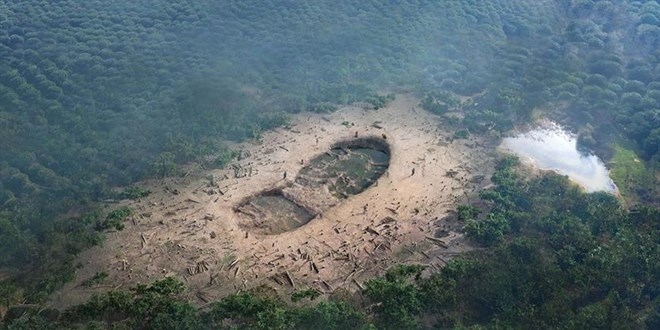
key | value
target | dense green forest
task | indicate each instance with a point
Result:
(96, 95)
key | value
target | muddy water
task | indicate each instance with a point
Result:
(552, 148)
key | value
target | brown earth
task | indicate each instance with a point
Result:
(189, 227)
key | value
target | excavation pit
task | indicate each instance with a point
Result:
(272, 213)
(349, 167)
(346, 169)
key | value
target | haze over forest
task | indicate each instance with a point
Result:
(96, 96)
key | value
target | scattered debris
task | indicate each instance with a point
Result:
(392, 210)
(327, 285)
(349, 239)
(199, 268)
(437, 241)
(371, 231)
(233, 263)
(387, 220)
(203, 296)
(314, 267)
(451, 173)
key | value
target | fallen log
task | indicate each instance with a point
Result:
(276, 279)
(437, 241)
(233, 263)
(327, 285)
(288, 277)
(386, 220)
(391, 210)
(350, 275)
(371, 231)
(203, 297)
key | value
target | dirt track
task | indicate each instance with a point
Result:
(188, 227)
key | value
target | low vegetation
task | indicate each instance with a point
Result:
(115, 219)
(631, 176)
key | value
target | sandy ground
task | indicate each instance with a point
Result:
(188, 227)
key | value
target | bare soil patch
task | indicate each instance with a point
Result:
(215, 230)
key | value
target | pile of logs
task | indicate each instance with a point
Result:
(199, 268)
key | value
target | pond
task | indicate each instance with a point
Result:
(550, 147)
